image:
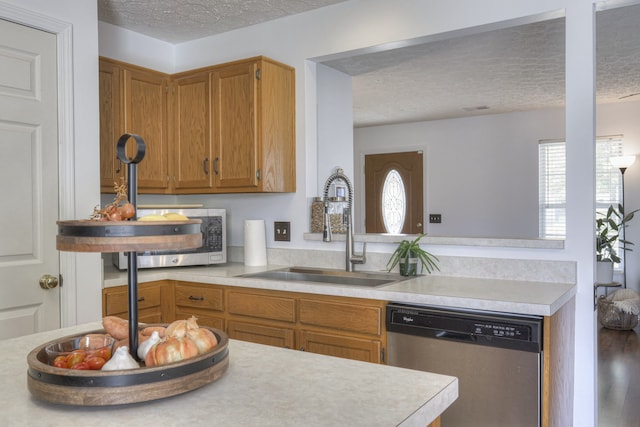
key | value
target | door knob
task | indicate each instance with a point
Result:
(48, 281)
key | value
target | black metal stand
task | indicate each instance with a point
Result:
(132, 256)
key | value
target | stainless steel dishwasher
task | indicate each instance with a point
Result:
(497, 359)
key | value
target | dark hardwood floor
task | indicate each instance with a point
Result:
(618, 378)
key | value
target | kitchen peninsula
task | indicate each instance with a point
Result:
(263, 386)
(348, 320)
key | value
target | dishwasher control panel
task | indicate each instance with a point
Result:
(478, 327)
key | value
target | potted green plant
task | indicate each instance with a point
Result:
(608, 229)
(408, 253)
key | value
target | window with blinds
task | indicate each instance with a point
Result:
(552, 182)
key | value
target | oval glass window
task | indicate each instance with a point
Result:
(394, 202)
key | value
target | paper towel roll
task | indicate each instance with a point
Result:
(255, 242)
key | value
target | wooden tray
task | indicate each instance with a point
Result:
(128, 236)
(103, 388)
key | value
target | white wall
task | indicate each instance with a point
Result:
(79, 144)
(117, 42)
(335, 124)
(360, 24)
(480, 173)
(495, 158)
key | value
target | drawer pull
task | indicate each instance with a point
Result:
(192, 298)
(140, 299)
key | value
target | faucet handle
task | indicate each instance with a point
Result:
(360, 259)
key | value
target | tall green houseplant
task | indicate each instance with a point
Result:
(608, 229)
(408, 253)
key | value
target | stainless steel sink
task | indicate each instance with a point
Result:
(330, 276)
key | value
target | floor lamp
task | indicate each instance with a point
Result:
(622, 163)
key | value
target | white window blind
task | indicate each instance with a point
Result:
(552, 189)
(552, 182)
(608, 177)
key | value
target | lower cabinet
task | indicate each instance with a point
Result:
(342, 327)
(366, 350)
(152, 302)
(345, 327)
(263, 317)
(206, 302)
(261, 334)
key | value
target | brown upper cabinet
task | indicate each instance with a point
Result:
(111, 169)
(145, 114)
(227, 128)
(190, 112)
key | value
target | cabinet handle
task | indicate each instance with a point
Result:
(215, 166)
(204, 165)
(140, 299)
(119, 168)
(302, 348)
(191, 297)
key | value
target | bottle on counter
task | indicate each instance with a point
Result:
(317, 213)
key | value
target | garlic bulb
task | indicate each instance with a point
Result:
(171, 350)
(179, 328)
(121, 359)
(204, 339)
(144, 347)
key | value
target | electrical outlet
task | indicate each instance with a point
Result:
(282, 231)
(435, 218)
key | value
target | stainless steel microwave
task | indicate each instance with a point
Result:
(212, 251)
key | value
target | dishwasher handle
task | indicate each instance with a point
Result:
(456, 336)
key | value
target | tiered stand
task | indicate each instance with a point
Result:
(76, 387)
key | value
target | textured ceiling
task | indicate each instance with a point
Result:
(505, 70)
(513, 69)
(177, 21)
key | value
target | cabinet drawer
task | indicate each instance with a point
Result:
(118, 302)
(145, 316)
(339, 346)
(203, 319)
(346, 317)
(262, 306)
(260, 334)
(205, 297)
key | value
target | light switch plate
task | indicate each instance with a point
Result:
(282, 231)
(435, 218)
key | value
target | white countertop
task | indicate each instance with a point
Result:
(509, 296)
(263, 386)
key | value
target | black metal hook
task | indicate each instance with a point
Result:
(122, 143)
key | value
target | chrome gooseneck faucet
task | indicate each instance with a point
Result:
(351, 257)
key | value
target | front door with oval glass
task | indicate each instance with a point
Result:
(393, 193)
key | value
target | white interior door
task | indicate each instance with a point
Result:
(28, 180)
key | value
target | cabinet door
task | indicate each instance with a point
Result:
(261, 334)
(235, 124)
(206, 302)
(262, 305)
(277, 131)
(346, 316)
(111, 169)
(202, 297)
(145, 114)
(341, 346)
(115, 302)
(191, 132)
(204, 318)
